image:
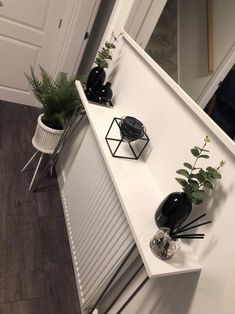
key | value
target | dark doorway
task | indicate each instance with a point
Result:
(221, 107)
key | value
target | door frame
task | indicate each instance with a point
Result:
(68, 58)
(219, 75)
(143, 19)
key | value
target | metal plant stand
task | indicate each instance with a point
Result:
(77, 117)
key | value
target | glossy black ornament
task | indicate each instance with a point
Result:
(131, 129)
(105, 92)
(95, 80)
(173, 210)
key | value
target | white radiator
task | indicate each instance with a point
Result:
(98, 231)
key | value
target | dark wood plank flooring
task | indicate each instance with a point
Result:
(36, 273)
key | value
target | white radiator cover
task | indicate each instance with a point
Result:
(98, 231)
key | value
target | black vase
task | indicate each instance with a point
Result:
(95, 80)
(173, 210)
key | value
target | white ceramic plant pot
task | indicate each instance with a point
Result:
(45, 139)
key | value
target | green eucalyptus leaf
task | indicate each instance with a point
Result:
(194, 175)
(208, 177)
(181, 182)
(213, 173)
(204, 156)
(188, 190)
(196, 201)
(202, 173)
(109, 45)
(200, 194)
(183, 172)
(195, 152)
(216, 175)
(194, 184)
(187, 165)
(198, 176)
(102, 63)
(208, 185)
(202, 149)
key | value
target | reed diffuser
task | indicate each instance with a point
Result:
(167, 242)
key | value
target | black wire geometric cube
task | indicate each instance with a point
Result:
(120, 145)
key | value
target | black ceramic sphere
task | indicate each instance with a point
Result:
(106, 92)
(131, 129)
(173, 210)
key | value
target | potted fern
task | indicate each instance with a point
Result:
(59, 99)
(177, 206)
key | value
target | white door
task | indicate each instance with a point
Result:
(35, 32)
(28, 30)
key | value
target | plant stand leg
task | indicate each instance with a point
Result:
(74, 122)
(31, 158)
(51, 168)
(36, 170)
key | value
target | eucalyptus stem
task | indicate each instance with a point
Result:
(198, 179)
(104, 54)
(193, 168)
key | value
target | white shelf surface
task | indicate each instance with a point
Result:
(139, 195)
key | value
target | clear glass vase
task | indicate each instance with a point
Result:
(163, 246)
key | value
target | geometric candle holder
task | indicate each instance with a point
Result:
(120, 145)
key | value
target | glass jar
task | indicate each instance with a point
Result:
(163, 246)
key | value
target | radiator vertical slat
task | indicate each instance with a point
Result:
(100, 252)
(96, 239)
(97, 204)
(98, 231)
(106, 270)
(86, 188)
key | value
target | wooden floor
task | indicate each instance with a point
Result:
(36, 274)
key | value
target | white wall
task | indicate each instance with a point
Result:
(174, 126)
(193, 41)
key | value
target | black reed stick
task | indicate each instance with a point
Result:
(191, 222)
(191, 234)
(189, 237)
(195, 226)
(196, 235)
(185, 237)
(164, 255)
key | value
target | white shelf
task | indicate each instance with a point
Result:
(139, 195)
